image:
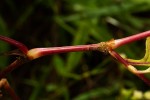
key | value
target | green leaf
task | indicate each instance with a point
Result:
(51, 87)
(146, 59)
(61, 68)
(3, 46)
(95, 93)
(80, 37)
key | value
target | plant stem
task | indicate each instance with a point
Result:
(4, 83)
(12, 66)
(126, 40)
(38, 52)
(128, 66)
(19, 45)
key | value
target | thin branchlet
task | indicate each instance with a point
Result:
(19, 45)
(129, 67)
(19, 61)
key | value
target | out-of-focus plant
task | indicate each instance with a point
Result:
(26, 55)
(49, 23)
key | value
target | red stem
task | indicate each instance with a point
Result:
(119, 58)
(4, 84)
(11, 91)
(126, 40)
(12, 66)
(19, 45)
(38, 52)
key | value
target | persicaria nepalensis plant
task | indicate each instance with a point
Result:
(26, 55)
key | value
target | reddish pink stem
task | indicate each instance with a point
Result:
(38, 52)
(120, 59)
(19, 45)
(126, 40)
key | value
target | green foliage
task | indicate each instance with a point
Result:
(79, 75)
(3, 46)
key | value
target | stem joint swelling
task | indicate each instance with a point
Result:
(106, 47)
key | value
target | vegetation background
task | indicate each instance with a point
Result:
(74, 76)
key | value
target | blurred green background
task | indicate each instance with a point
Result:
(74, 76)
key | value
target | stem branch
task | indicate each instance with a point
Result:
(19, 45)
(126, 40)
(127, 65)
(38, 52)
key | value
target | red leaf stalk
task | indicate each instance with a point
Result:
(19, 45)
(127, 65)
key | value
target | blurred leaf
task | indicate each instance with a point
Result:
(51, 87)
(3, 27)
(147, 95)
(65, 26)
(3, 46)
(137, 95)
(98, 93)
(38, 86)
(28, 11)
(11, 6)
(126, 94)
(141, 1)
(61, 68)
(101, 33)
(80, 37)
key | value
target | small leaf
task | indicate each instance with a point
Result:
(62, 70)
(146, 59)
